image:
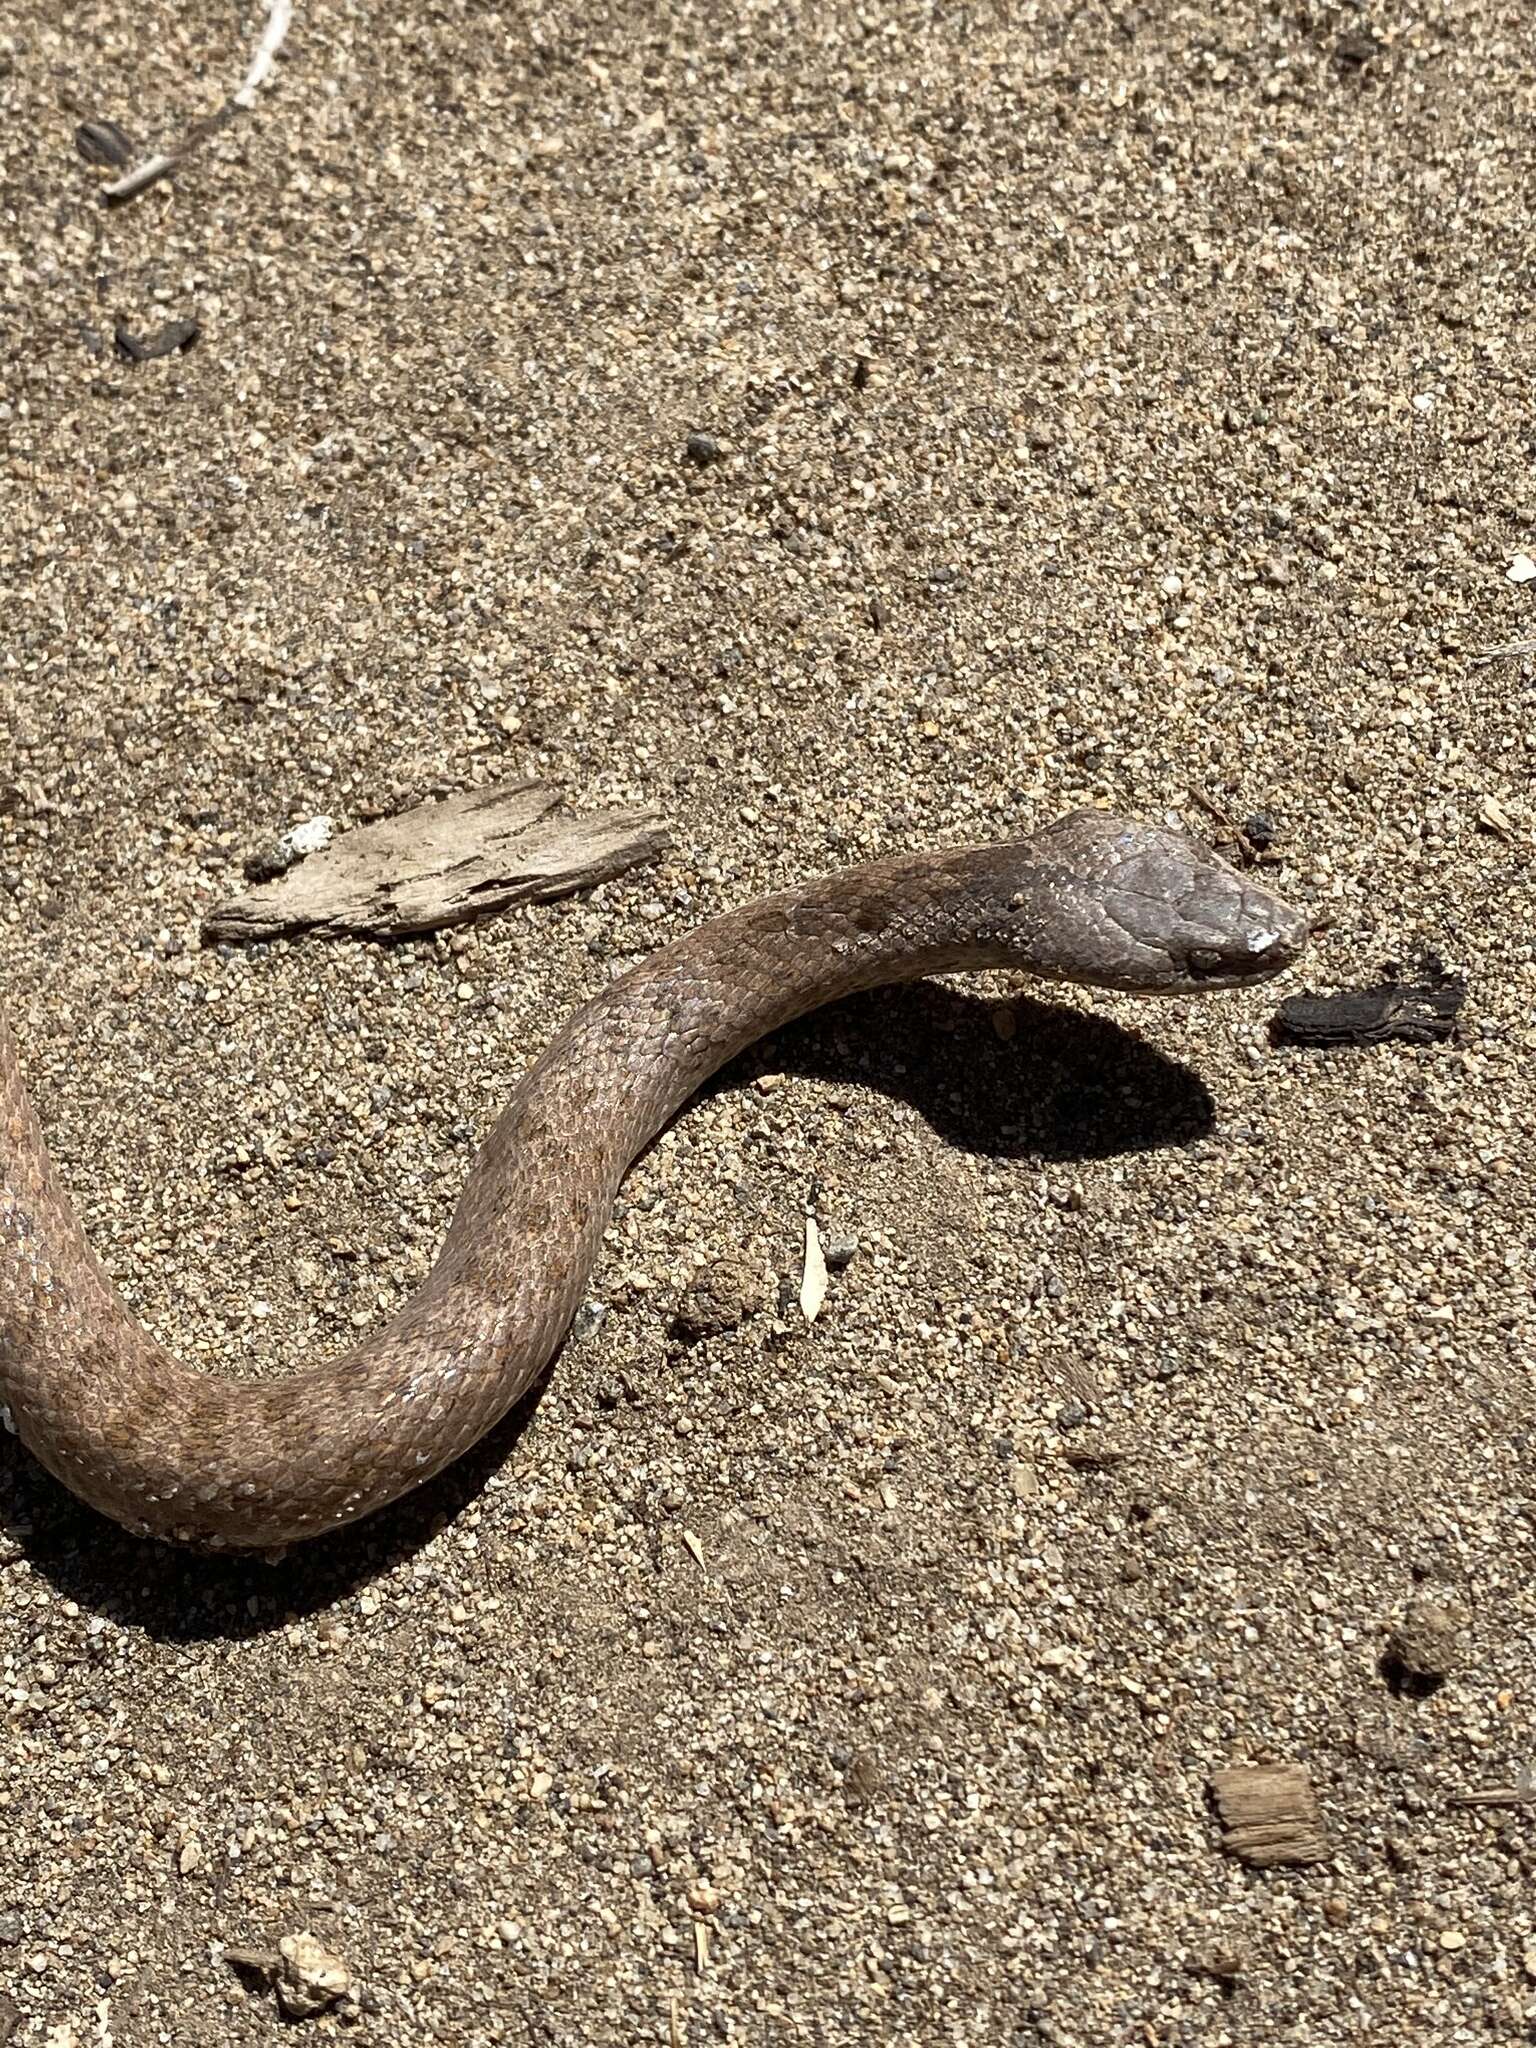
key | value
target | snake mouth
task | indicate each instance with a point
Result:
(1261, 952)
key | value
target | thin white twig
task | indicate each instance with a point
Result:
(138, 180)
(279, 20)
(154, 168)
(1509, 653)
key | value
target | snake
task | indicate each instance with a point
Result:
(228, 1463)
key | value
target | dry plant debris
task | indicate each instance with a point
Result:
(443, 864)
(1269, 1815)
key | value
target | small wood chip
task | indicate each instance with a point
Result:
(1493, 817)
(1269, 1815)
(694, 1548)
(1419, 1013)
(443, 864)
(813, 1283)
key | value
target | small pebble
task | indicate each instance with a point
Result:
(1427, 1644)
(721, 1295)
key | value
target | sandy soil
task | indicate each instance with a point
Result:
(1114, 404)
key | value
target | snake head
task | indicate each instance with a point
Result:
(1154, 911)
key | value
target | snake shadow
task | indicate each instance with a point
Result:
(1069, 1085)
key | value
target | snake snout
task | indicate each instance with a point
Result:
(1256, 937)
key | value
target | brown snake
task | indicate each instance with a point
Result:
(215, 1462)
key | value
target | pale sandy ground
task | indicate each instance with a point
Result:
(1117, 404)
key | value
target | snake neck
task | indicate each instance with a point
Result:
(626, 1063)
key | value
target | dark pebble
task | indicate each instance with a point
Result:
(165, 341)
(104, 143)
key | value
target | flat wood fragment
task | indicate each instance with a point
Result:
(1419, 1013)
(443, 864)
(1269, 1815)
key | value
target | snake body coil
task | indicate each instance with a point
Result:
(194, 1458)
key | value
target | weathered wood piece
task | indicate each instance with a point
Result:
(443, 864)
(1419, 1013)
(1269, 1815)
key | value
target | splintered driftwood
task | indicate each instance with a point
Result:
(444, 864)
